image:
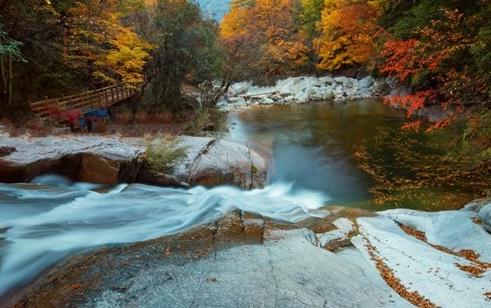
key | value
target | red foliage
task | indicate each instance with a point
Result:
(401, 59)
(413, 102)
(412, 125)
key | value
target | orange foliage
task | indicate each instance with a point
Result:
(266, 32)
(348, 29)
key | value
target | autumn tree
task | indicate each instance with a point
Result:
(440, 60)
(347, 34)
(310, 16)
(69, 46)
(270, 36)
(101, 44)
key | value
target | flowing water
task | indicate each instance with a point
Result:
(319, 153)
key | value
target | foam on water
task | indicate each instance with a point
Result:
(40, 224)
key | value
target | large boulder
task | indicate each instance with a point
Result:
(108, 161)
(440, 259)
(366, 82)
(212, 162)
(81, 158)
(235, 262)
(98, 169)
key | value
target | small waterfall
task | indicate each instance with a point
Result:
(44, 222)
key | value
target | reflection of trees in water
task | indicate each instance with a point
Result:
(432, 170)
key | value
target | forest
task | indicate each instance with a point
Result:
(441, 49)
(264, 153)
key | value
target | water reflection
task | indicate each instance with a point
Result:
(355, 152)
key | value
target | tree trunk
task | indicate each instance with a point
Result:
(4, 79)
(10, 80)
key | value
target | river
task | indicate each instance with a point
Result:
(322, 155)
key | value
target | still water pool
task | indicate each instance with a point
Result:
(357, 154)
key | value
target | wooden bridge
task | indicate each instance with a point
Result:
(83, 102)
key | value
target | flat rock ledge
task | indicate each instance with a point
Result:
(104, 160)
(396, 258)
(301, 90)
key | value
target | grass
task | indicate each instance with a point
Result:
(164, 154)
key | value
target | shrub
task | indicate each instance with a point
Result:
(164, 154)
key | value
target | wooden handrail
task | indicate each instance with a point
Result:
(99, 98)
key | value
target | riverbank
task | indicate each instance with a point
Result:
(228, 247)
(109, 160)
(301, 90)
(351, 258)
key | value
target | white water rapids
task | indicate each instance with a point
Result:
(42, 224)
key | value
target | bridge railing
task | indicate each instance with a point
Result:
(103, 97)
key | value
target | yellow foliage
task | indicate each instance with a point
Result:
(128, 57)
(234, 23)
(347, 29)
(268, 29)
(100, 42)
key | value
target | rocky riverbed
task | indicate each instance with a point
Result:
(352, 258)
(300, 90)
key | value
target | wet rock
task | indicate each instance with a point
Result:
(152, 177)
(484, 214)
(395, 258)
(194, 269)
(441, 259)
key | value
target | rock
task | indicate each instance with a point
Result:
(304, 89)
(240, 87)
(152, 177)
(301, 97)
(326, 80)
(97, 169)
(4, 151)
(85, 158)
(341, 80)
(208, 267)
(442, 258)
(366, 82)
(235, 100)
(397, 258)
(105, 160)
(484, 214)
(217, 161)
(266, 101)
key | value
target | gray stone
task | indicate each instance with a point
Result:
(106, 160)
(366, 82)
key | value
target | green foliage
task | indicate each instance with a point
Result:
(414, 18)
(164, 154)
(310, 16)
(9, 47)
(186, 50)
(68, 47)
